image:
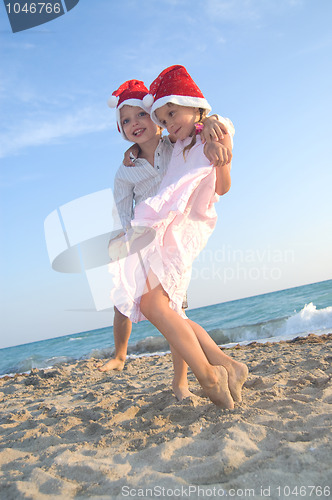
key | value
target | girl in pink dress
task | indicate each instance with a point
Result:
(168, 232)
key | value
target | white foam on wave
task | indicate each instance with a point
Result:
(309, 319)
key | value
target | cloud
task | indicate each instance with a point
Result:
(42, 132)
(230, 10)
(247, 10)
(18, 45)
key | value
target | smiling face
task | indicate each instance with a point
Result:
(179, 120)
(137, 124)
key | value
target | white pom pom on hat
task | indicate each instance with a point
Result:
(148, 100)
(113, 101)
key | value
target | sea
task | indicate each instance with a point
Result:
(271, 317)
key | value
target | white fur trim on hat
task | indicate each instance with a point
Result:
(180, 100)
(134, 102)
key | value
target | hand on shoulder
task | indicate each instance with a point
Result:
(213, 129)
(131, 155)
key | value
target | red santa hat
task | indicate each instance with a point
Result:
(130, 93)
(175, 85)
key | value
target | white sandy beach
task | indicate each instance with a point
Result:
(72, 432)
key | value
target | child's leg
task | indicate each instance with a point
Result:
(237, 372)
(179, 334)
(180, 381)
(121, 331)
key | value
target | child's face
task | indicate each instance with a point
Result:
(179, 120)
(137, 124)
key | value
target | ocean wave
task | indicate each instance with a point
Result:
(35, 361)
(308, 320)
(149, 345)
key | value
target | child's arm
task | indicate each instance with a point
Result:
(218, 147)
(223, 179)
(213, 130)
(218, 153)
(130, 155)
(215, 127)
(220, 156)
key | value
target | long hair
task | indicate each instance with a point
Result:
(202, 115)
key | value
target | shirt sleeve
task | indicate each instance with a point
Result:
(124, 199)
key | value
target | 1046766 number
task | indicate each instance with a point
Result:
(303, 491)
(34, 8)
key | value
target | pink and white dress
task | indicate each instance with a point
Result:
(183, 216)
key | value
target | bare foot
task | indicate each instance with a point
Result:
(237, 375)
(112, 364)
(219, 392)
(181, 392)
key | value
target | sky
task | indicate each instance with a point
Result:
(265, 64)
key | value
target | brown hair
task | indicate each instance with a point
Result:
(202, 115)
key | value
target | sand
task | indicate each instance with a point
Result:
(74, 432)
